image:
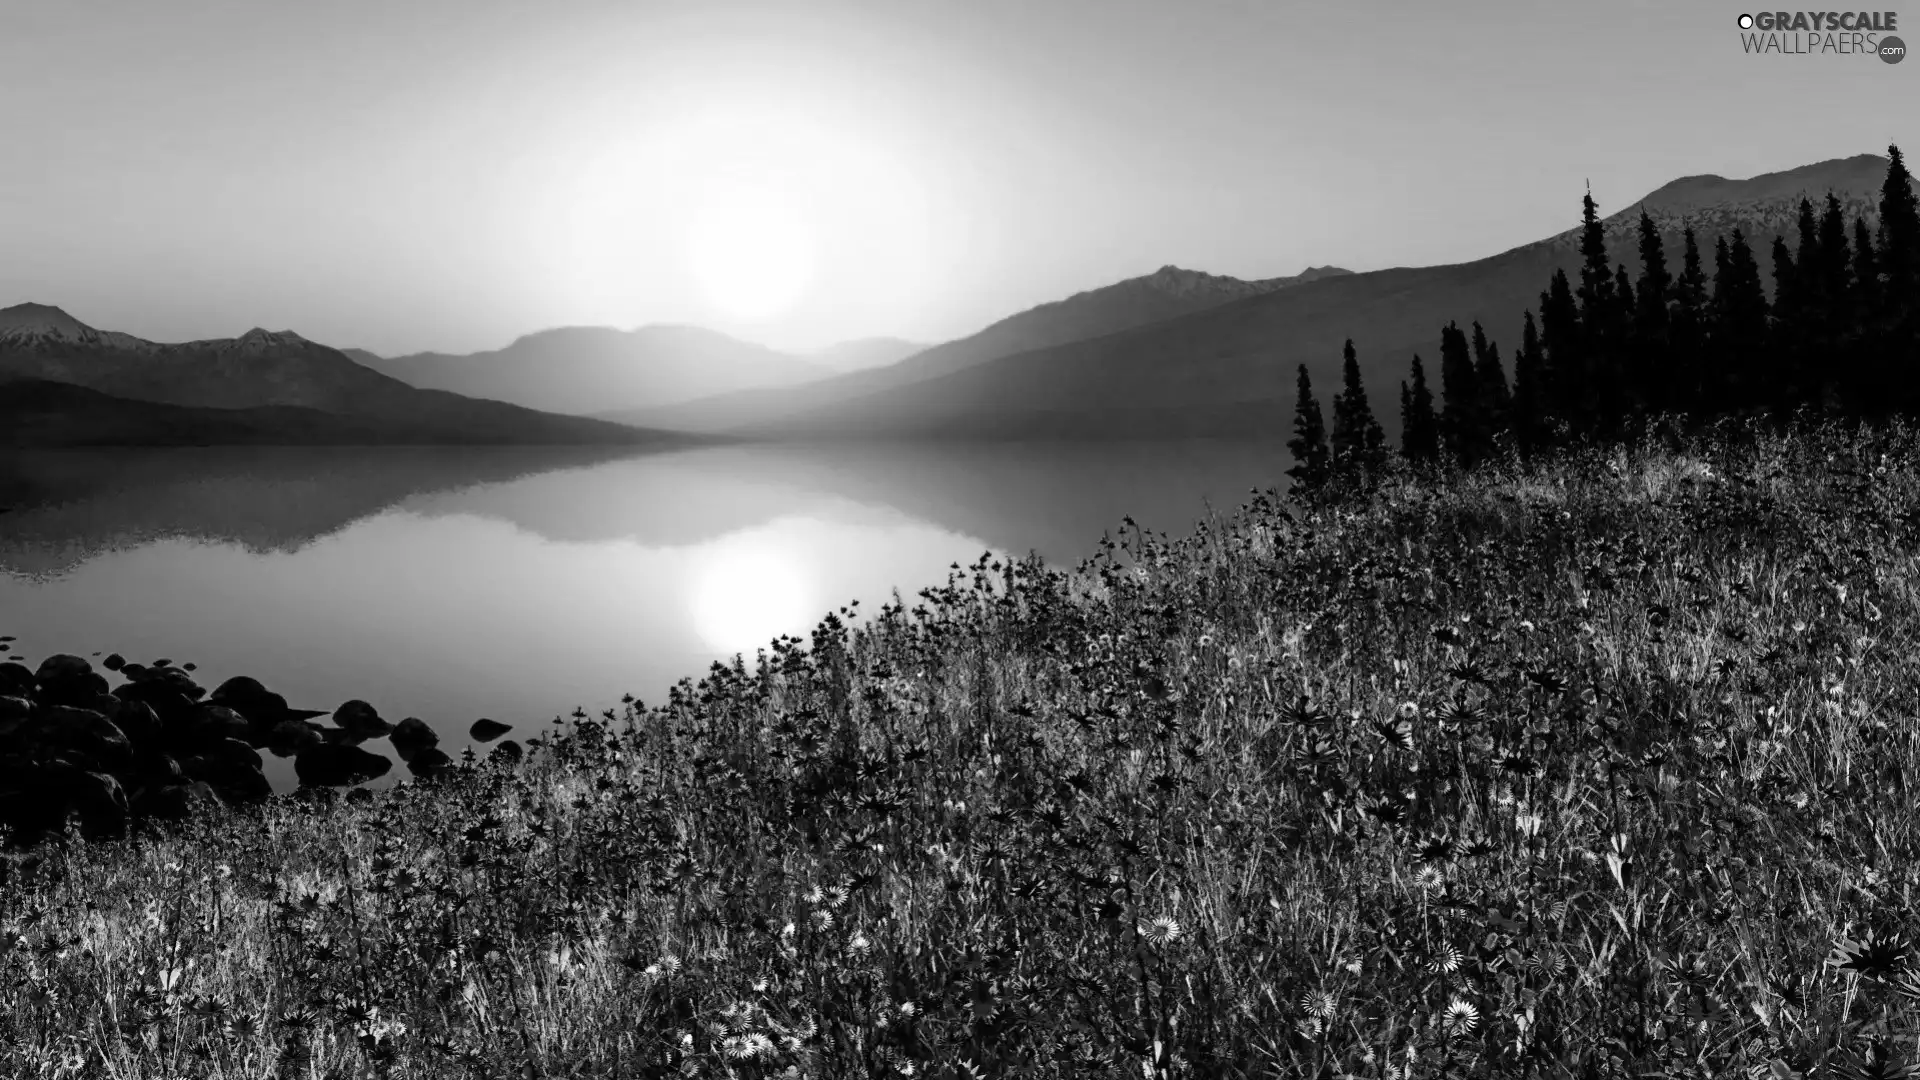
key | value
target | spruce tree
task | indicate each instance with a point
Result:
(1419, 429)
(1652, 373)
(1529, 374)
(1496, 400)
(1565, 385)
(1688, 330)
(1357, 438)
(1308, 446)
(1898, 252)
(1778, 372)
(1743, 321)
(1717, 379)
(1811, 274)
(1836, 272)
(1866, 272)
(1462, 426)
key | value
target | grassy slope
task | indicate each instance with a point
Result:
(1545, 768)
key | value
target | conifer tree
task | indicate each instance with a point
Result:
(1779, 368)
(1866, 272)
(1651, 354)
(1565, 386)
(1898, 252)
(1810, 274)
(1496, 400)
(1687, 331)
(1529, 373)
(1308, 446)
(1836, 273)
(1357, 438)
(1743, 310)
(1419, 429)
(1462, 426)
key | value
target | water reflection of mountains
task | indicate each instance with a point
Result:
(70, 506)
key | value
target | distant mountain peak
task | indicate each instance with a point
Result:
(42, 320)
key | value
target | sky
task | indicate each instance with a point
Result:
(451, 174)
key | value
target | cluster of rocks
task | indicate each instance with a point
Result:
(159, 745)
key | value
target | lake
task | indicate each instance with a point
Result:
(517, 584)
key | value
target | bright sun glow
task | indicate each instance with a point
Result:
(746, 593)
(750, 251)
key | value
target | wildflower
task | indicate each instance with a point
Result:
(859, 944)
(739, 1047)
(1446, 960)
(1318, 1004)
(1461, 1017)
(1160, 930)
(1429, 877)
(1409, 711)
(670, 963)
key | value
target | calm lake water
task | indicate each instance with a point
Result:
(455, 583)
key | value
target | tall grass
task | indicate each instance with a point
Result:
(1596, 769)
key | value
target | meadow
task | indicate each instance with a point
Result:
(1597, 767)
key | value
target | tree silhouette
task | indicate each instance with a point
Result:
(1419, 429)
(1309, 443)
(1560, 333)
(1529, 390)
(1687, 330)
(1496, 400)
(1358, 442)
(1650, 322)
(1462, 424)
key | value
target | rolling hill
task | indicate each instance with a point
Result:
(586, 369)
(1164, 294)
(1228, 369)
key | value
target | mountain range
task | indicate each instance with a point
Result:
(1227, 368)
(68, 383)
(1176, 352)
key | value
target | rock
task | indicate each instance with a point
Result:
(36, 798)
(219, 722)
(175, 679)
(70, 690)
(15, 680)
(485, 730)
(429, 762)
(360, 718)
(508, 751)
(14, 712)
(62, 667)
(139, 721)
(289, 737)
(411, 736)
(174, 802)
(342, 737)
(234, 781)
(114, 662)
(162, 769)
(235, 751)
(82, 732)
(338, 765)
(96, 797)
(258, 704)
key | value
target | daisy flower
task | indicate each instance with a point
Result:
(1461, 1017)
(1160, 930)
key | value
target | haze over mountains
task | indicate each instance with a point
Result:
(1166, 293)
(584, 369)
(1173, 353)
(1228, 368)
(66, 382)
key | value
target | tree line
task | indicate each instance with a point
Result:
(1610, 356)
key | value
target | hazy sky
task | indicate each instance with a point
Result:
(450, 174)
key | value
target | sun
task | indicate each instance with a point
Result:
(750, 251)
(747, 591)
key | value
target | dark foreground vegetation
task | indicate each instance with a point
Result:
(1594, 769)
